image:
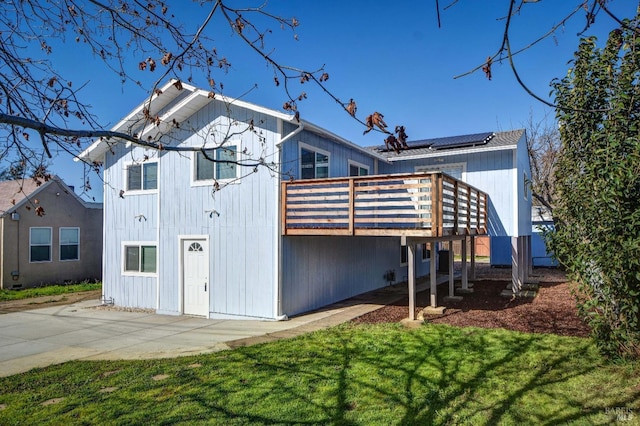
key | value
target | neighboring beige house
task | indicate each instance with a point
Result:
(48, 235)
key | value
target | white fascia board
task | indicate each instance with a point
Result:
(99, 147)
(183, 110)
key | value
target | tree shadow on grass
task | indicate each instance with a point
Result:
(432, 375)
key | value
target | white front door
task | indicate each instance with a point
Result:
(195, 277)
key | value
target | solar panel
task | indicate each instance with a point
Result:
(423, 143)
(447, 142)
(462, 141)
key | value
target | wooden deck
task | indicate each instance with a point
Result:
(412, 205)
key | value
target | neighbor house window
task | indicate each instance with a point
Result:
(39, 244)
(140, 258)
(142, 177)
(69, 243)
(314, 163)
(356, 169)
(404, 255)
(224, 166)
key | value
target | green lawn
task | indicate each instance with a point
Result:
(51, 290)
(346, 375)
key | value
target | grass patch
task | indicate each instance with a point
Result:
(51, 290)
(348, 375)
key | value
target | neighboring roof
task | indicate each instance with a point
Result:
(15, 193)
(454, 145)
(176, 105)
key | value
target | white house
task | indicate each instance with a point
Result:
(185, 235)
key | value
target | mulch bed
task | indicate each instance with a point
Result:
(553, 310)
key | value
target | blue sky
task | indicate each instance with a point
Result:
(389, 57)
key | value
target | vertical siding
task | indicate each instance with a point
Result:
(121, 225)
(318, 271)
(241, 238)
(338, 160)
(524, 200)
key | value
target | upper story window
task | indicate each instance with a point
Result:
(69, 243)
(224, 167)
(39, 244)
(357, 169)
(314, 163)
(142, 177)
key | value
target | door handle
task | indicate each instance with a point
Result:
(205, 286)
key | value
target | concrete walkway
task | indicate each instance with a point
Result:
(85, 331)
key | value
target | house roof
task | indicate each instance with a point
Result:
(454, 145)
(176, 105)
(15, 193)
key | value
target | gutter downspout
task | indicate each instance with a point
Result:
(280, 316)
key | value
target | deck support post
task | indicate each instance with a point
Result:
(433, 299)
(465, 280)
(411, 265)
(472, 273)
(451, 277)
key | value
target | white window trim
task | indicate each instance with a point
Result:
(50, 244)
(359, 165)
(60, 243)
(440, 166)
(123, 260)
(209, 182)
(302, 145)
(126, 177)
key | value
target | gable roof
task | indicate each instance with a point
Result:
(454, 145)
(172, 104)
(15, 193)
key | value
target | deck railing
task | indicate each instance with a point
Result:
(415, 204)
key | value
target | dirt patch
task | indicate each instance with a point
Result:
(553, 310)
(46, 301)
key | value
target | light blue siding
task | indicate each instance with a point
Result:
(121, 224)
(340, 155)
(318, 271)
(242, 238)
(524, 189)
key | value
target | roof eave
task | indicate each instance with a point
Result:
(452, 153)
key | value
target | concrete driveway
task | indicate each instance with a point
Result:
(86, 331)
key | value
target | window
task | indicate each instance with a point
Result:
(314, 164)
(69, 243)
(404, 255)
(205, 169)
(39, 244)
(455, 170)
(426, 253)
(140, 258)
(142, 177)
(356, 169)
